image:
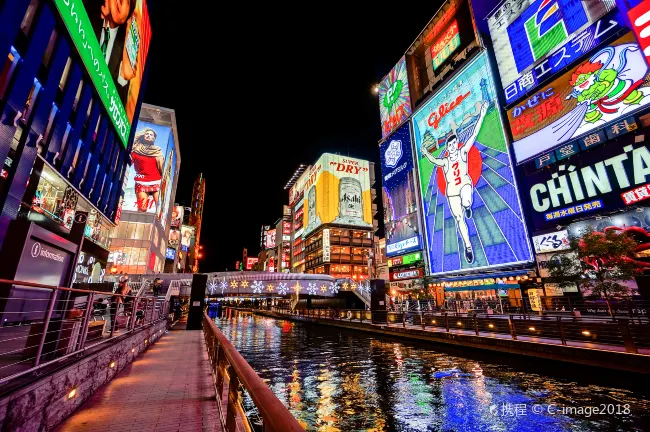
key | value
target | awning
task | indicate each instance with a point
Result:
(482, 287)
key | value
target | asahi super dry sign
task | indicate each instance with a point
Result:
(338, 191)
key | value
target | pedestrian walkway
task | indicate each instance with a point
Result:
(167, 389)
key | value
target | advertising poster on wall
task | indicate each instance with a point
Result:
(187, 237)
(610, 85)
(398, 193)
(297, 191)
(338, 192)
(472, 214)
(394, 98)
(152, 146)
(174, 237)
(177, 216)
(270, 239)
(113, 42)
(534, 39)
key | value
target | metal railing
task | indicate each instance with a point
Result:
(230, 368)
(591, 332)
(43, 324)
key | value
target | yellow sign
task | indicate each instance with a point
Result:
(338, 192)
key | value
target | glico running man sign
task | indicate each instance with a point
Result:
(472, 214)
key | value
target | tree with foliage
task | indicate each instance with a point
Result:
(600, 263)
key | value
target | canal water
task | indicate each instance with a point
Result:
(342, 380)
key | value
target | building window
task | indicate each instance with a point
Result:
(66, 73)
(47, 56)
(28, 19)
(8, 71)
(78, 95)
(54, 198)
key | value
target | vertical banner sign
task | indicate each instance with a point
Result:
(535, 300)
(534, 39)
(472, 214)
(394, 98)
(604, 88)
(326, 245)
(398, 193)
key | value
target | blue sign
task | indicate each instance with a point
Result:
(621, 127)
(574, 48)
(545, 159)
(398, 193)
(592, 140)
(574, 210)
(567, 150)
(170, 254)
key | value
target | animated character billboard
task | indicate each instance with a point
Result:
(611, 83)
(472, 214)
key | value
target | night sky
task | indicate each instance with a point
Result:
(258, 91)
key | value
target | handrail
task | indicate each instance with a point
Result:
(47, 331)
(275, 415)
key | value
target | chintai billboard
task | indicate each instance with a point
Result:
(472, 214)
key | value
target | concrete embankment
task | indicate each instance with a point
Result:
(596, 355)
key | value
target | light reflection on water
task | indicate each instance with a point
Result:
(338, 380)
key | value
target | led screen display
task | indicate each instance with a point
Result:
(338, 192)
(112, 39)
(187, 237)
(398, 193)
(611, 83)
(533, 39)
(170, 254)
(270, 239)
(446, 44)
(149, 179)
(472, 214)
(394, 98)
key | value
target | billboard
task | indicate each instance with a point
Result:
(338, 192)
(472, 214)
(551, 242)
(250, 261)
(170, 253)
(187, 237)
(609, 178)
(113, 42)
(270, 239)
(167, 183)
(442, 47)
(149, 179)
(394, 98)
(607, 86)
(534, 39)
(174, 237)
(177, 216)
(398, 192)
(297, 191)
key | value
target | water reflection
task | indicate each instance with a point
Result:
(333, 380)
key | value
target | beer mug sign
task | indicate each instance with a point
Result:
(350, 203)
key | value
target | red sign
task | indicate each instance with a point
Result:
(640, 20)
(250, 261)
(444, 109)
(636, 195)
(286, 228)
(442, 42)
(406, 274)
(437, 28)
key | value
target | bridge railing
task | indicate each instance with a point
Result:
(231, 369)
(44, 324)
(632, 334)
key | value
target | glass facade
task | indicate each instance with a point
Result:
(57, 142)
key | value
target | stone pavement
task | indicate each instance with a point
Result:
(169, 388)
